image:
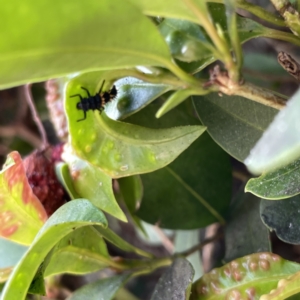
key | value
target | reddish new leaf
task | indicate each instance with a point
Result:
(21, 213)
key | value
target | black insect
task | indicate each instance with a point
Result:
(95, 102)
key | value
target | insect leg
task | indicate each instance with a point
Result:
(101, 87)
(77, 95)
(86, 91)
(84, 112)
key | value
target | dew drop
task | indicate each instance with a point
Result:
(80, 131)
(151, 157)
(110, 145)
(100, 183)
(88, 148)
(117, 157)
(124, 168)
(290, 225)
(93, 137)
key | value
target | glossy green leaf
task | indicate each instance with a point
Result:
(192, 185)
(100, 289)
(176, 282)
(234, 122)
(186, 43)
(10, 254)
(45, 41)
(91, 183)
(81, 251)
(184, 240)
(245, 233)
(37, 285)
(114, 239)
(280, 144)
(67, 218)
(63, 174)
(285, 288)
(282, 217)
(185, 40)
(279, 184)
(21, 213)
(247, 277)
(122, 149)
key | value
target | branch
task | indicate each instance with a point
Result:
(220, 82)
(289, 13)
(36, 118)
(200, 246)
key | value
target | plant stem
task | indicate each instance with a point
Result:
(219, 81)
(261, 95)
(220, 43)
(200, 246)
(36, 118)
(281, 35)
(290, 15)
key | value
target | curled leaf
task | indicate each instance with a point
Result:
(247, 277)
(286, 287)
(21, 213)
(122, 149)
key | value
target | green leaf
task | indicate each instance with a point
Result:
(166, 8)
(114, 239)
(234, 122)
(279, 184)
(283, 217)
(10, 254)
(91, 183)
(244, 232)
(74, 36)
(37, 285)
(280, 144)
(194, 183)
(285, 288)
(81, 251)
(185, 40)
(133, 95)
(63, 174)
(100, 289)
(247, 277)
(67, 218)
(122, 149)
(21, 213)
(175, 99)
(176, 281)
